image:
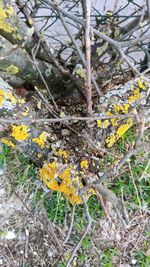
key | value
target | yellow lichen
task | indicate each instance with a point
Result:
(47, 174)
(66, 176)
(142, 85)
(109, 113)
(62, 153)
(102, 124)
(20, 100)
(2, 97)
(136, 95)
(7, 142)
(124, 108)
(12, 69)
(20, 132)
(17, 36)
(110, 140)
(123, 128)
(39, 156)
(84, 164)
(15, 100)
(26, 112)
(114, 122)
(5, 15)
(11, 97)
(60, 182)
(40, 140)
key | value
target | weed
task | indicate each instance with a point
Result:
(86, 243)
(61, 264)
(107, 257)
(4, 154)
(142, 259)
(95, 208)
(55, 206)
(124, 183)
(19, 165)
(81, 258)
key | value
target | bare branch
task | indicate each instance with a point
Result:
(88, 56)
(55, 120)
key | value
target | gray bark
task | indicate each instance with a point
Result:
(60, 80)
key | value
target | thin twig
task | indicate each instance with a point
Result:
(88, 56)
(78, 50)
(71, 225)
(26, 243)
(40, 73)
(55, 120)
(83, 235)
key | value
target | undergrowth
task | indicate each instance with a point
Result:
(132, 185)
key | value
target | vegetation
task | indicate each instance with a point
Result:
(74, 133)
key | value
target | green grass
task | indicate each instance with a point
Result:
(128, 138)
(107, 257)
(4, 155)
(142, 259)
(59, 209)
(86, 243)
(124, 183)
(56, 207)
(61, 264)
(18, 165)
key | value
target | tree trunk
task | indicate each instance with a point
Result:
(38, 67)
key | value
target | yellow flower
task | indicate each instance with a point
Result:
(20, 132)
(40, 140)
(7, 142)
(84, 164)
(2, 97)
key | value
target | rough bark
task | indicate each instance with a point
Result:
(58, 78)
(15, 61)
